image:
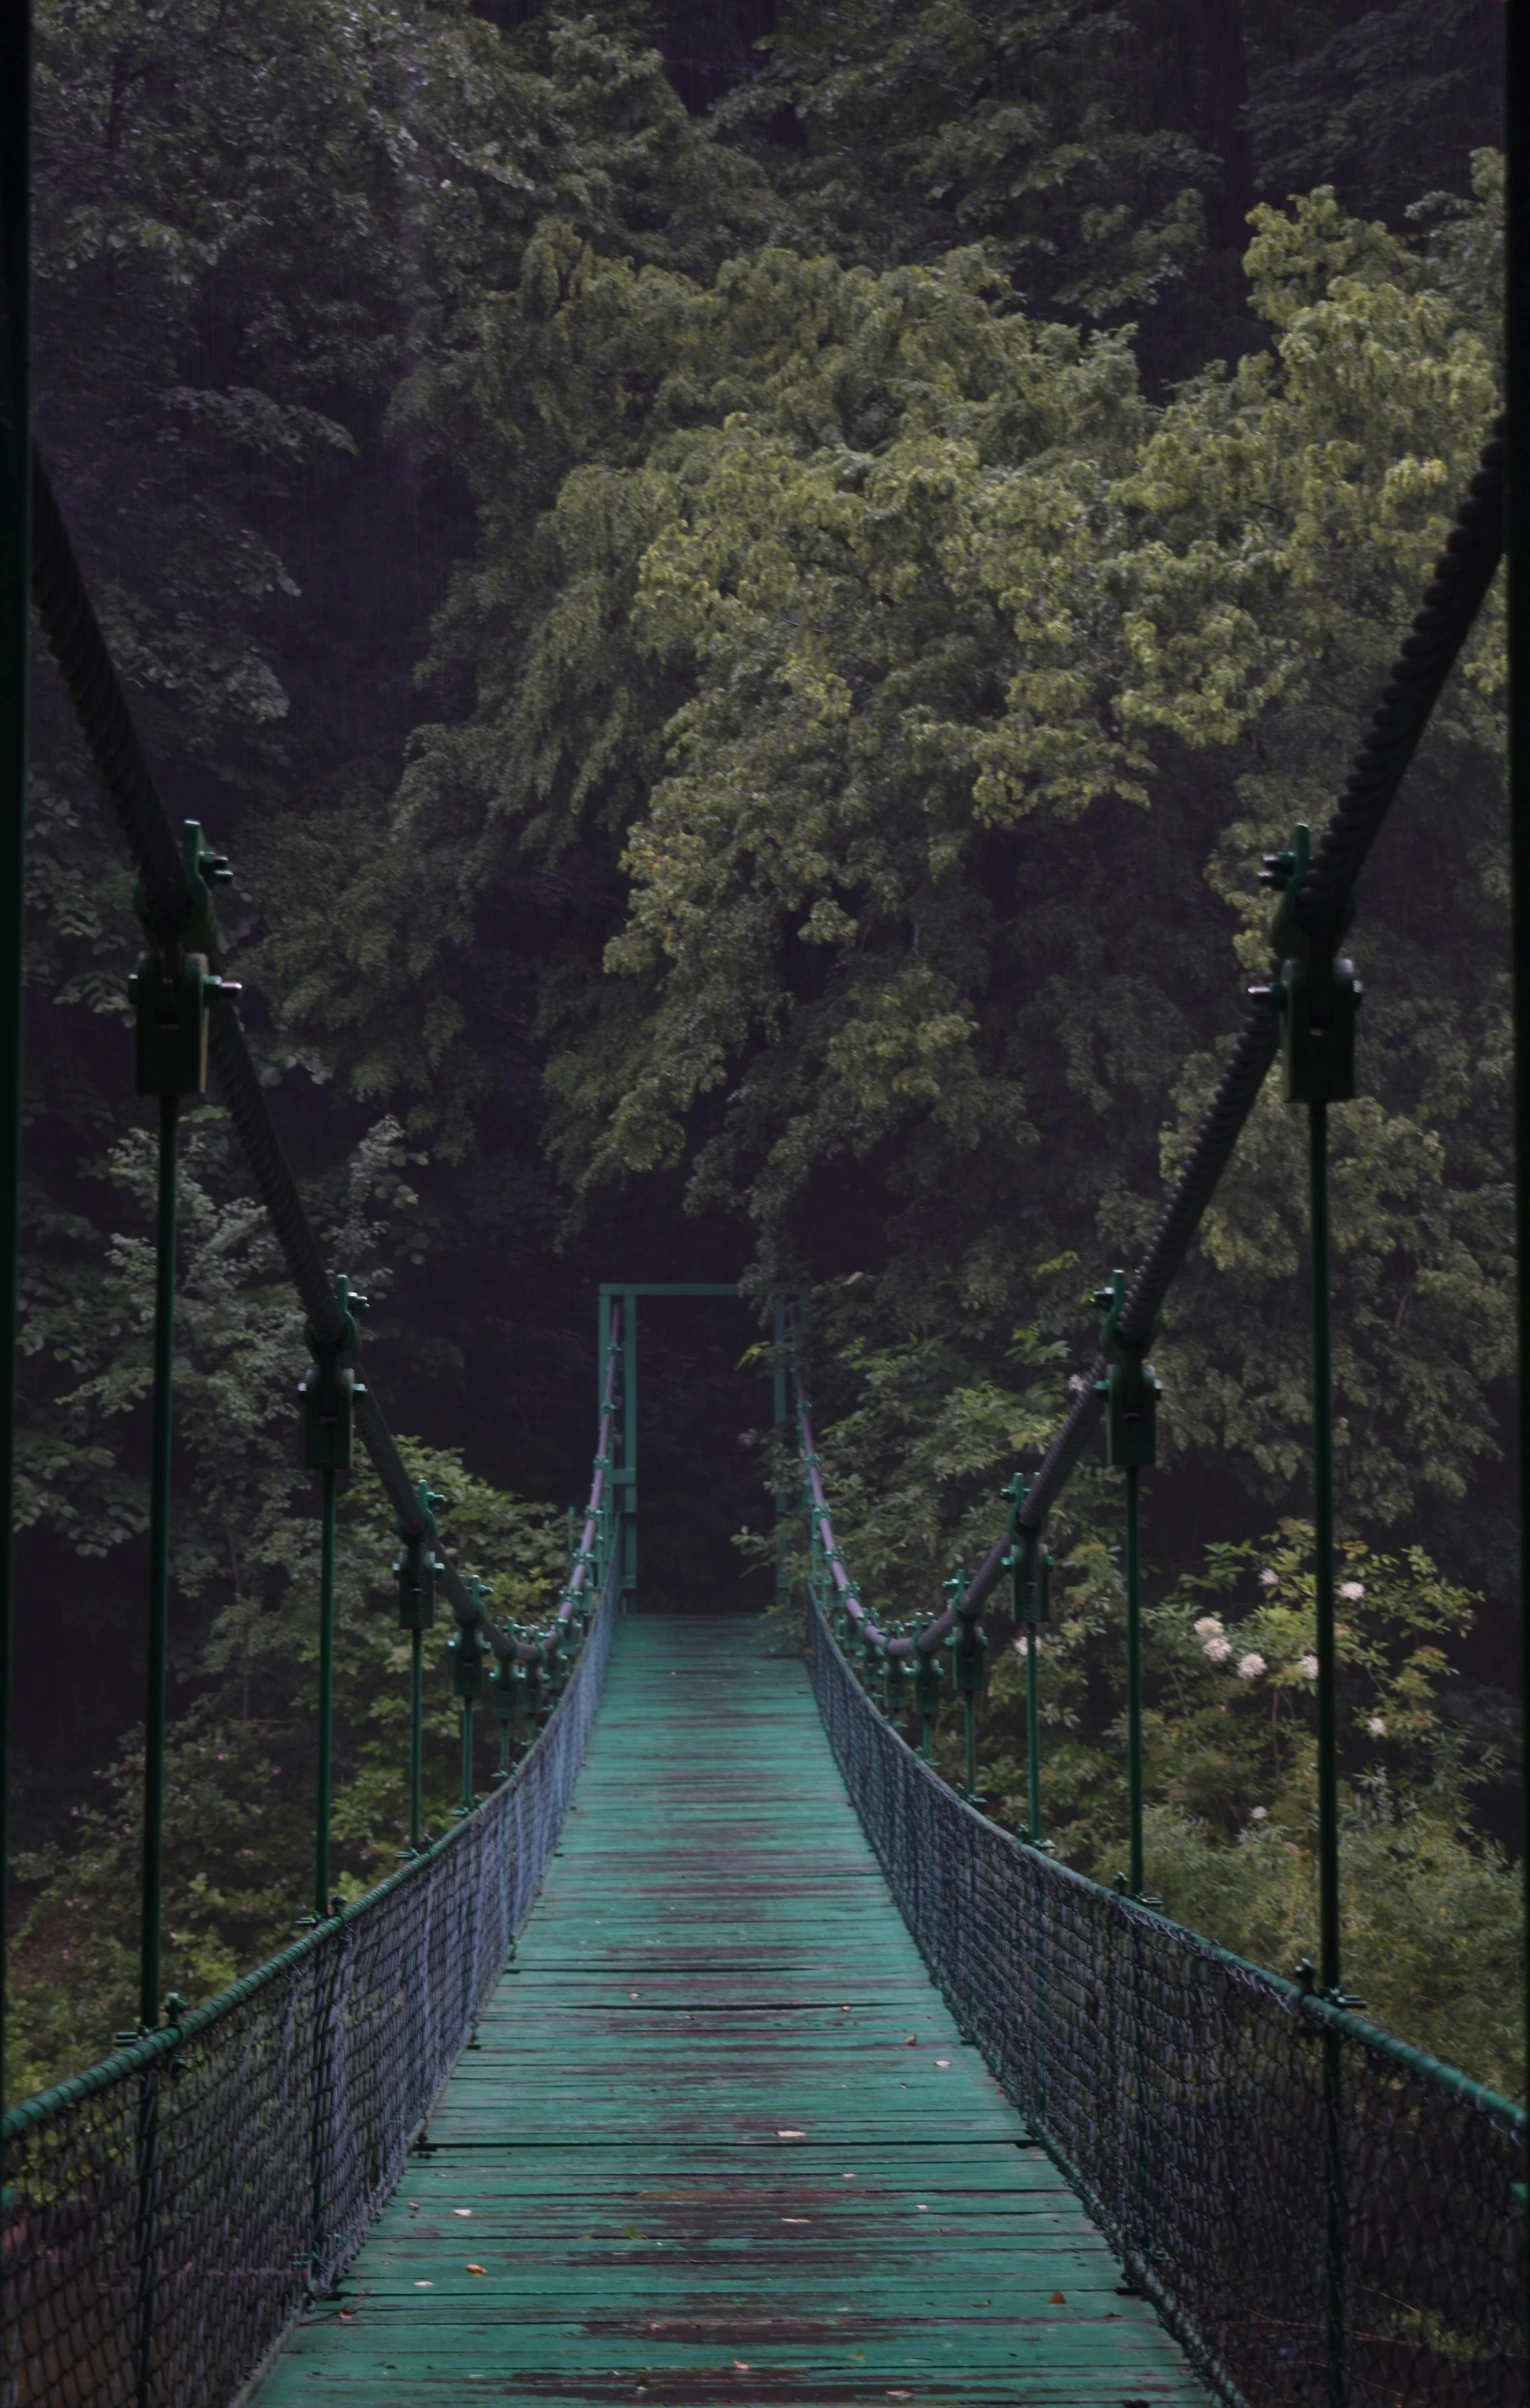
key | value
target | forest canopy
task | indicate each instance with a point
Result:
(747, 588)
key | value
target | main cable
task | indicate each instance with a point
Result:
(168, 904)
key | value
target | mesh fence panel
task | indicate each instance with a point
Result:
(1321, 2214)
(167, 2214)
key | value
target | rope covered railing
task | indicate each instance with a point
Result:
(170, 2212)
(186, 1018)
(167, 2212)
(1360, 2318)
(1235, 2136)
(1306, 1011)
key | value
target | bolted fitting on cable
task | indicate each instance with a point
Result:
(507, 1689)
(415, 1567)
(467, 1664)
(1028, 1563)
(171, 995)
(330, 1390)
(925, 1669)
(1131, 1387)
(966, 1644)
(1316, 991)
(174, 985)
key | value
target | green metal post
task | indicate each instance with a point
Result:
(1134, 1681)
(1033, 1732)
(326, 1697)
(159, 1567)
(1329, 1969)
(1517, 346)
(467, 1755)
(629, 1445)
(416, 1735)
(146, 2236)
(1329, 1965)
(783, 1502)
(15, 630)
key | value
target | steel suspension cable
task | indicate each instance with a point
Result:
(1440, 627)
(170, 910)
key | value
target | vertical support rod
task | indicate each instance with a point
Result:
(1330, 1968)
(467, 1755)
(1033, 1732)
(1134, 1880)
(15, 631)
(969, 1735)
(1329, 1974)
(416, 1734)
(159, 1568)
(783, 1502)
(146, 2235)
(1517, 545)
(629, 1337)
(324, 1799)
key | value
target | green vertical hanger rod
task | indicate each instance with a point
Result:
(159, 1567)
(1134, 1880)
(1329, 1966)
(324, 1802)
(1517, 534)
(15, 631)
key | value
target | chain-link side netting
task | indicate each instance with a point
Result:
(167, 2214)
(1322, 2214)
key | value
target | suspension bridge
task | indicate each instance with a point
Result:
(726, 2052)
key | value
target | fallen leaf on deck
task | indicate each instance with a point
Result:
(790, 2133)
(476, 2270)
(1057, 2300)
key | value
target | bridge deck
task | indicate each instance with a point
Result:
(719, 2141)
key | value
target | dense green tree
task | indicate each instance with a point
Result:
(865, 642)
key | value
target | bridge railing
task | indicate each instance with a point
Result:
(1323, 2214)
(167, 2213)
(1200, 2107)
(171, 2211)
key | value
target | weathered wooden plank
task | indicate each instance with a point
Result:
(718, 2140)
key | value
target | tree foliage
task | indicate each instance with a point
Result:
(750, 588)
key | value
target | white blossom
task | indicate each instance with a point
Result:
(1250, 1667)
(1377, 1727)
(1307, 1666)
(1208, 1627)
(1354, 1590)
(1259, 1814)
(1219, 1649)
(1023, 1644)
(1269, 1579)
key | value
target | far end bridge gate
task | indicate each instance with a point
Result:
(725, 2052)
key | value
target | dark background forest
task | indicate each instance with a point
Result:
(746, 588)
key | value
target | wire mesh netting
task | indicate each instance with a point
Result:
(168, 2213)
(1320, 2213)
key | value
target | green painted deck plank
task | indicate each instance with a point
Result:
(719, 2141)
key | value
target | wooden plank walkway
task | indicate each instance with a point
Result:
(719, 2141)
